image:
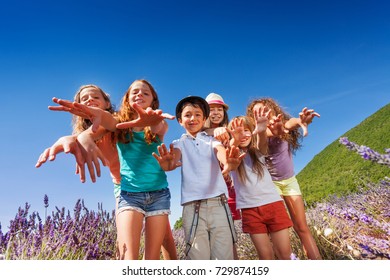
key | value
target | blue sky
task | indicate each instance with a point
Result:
(333, 56)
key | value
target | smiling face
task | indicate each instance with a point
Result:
(192, 119)
(246, 140)
(93, 97)
(217, 114)
(141, 94)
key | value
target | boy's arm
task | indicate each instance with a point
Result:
(168, 160)
(306, 116)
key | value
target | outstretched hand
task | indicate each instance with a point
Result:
(88, 154)
(91, 156)
(66, 144)
(306, 117)
(222, 135)
(233, 159)
(147, 117)
(166, 158)
(261, 119)
(68, 106)
(237, 130)
(276, 126)
(93, 114)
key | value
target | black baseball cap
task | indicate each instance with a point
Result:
(197, 100)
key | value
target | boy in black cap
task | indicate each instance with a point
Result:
(207, 220)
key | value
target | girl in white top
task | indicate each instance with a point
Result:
(264, 215)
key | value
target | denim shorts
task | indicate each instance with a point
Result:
(148, 203)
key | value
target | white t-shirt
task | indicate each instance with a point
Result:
(255, 192)
(201, 176)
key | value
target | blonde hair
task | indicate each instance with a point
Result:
(127, 113)
(294, 137)
(80, 124)
(252, 151)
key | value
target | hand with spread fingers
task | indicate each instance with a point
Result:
(233, 159)
(237, 132)
(166, 159)
(261, 119)
(69, 144)
(68, 106)
(66, 144)
(276, 126)
(147, 117)
(306, 117)
(94, 114)
(91, 155)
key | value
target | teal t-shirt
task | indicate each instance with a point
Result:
(140, 171)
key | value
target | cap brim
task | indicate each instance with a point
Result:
(217, 102)
(191, 99)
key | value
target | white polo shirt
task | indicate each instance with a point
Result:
(201, 176)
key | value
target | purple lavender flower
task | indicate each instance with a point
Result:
(46, 201)
(366, 152)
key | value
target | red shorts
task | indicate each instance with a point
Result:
(268, 218)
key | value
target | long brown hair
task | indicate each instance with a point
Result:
(127, 113)
(223, 123)
(80, 124)
(252, 151)
(294, 137)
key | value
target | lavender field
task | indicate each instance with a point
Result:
(356, 226)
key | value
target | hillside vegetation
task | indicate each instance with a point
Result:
(336, 170)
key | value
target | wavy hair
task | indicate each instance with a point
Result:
(294, 137)
(127, 113)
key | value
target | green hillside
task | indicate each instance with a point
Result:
(337, 170)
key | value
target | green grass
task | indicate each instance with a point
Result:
(338, 171)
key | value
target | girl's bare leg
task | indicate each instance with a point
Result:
(129, 227)
(155, 229)
(263, 246)
(281, 244)
(168, 247)
(296, 209)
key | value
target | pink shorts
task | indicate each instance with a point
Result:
(268, 218)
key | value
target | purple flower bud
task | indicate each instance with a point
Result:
(46, 201)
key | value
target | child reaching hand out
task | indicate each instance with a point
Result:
(281, 147)
(143, 192)
(207, 221)
(263, 212)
